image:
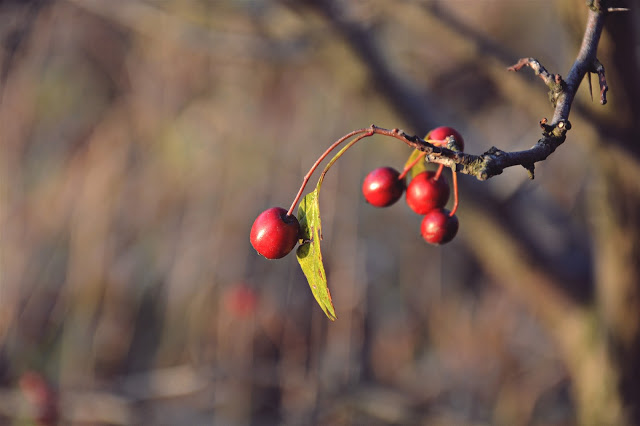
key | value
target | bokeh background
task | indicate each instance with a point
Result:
(140, 139)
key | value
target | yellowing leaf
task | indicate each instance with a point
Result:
(419, 167)
(309, 255)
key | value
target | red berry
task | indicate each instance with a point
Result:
(241, 300)
(381, 187)
(442, 132)
(274, 234)
(42, 397)
(425, 193)
(438, 227)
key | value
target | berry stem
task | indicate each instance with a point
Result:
(439, 172)
(313, 168)
(410, 166)
(454, 177)
(339, 154)
(438, 143)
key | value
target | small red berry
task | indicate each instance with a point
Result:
(381, 187)
(274, 234)
(425, 193)
(241, 300)
(42, 397)
(442, 132)
(438, 227)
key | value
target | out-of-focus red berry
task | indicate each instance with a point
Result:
(241, 300)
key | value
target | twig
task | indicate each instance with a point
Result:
(494, 161)
(490, 163)
(562, 92)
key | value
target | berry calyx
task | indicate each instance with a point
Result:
(441, 133)
(274, 233)
(383, 187)
(439, 226)
(426, 192)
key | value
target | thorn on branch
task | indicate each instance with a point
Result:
(600, 5)
(598, 68)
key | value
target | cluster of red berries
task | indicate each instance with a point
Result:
(427, 193)
(276, 231)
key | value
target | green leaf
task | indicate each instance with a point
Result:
(420, 166)
(308, 253)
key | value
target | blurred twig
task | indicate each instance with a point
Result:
(116, 408)
(153, 21)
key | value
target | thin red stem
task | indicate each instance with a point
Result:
(440, 143)
(454, 177)
(313, 168)
(346, 147)
(438, 172)
(410, 166)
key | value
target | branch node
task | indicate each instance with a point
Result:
(557, 88)
(557, 131)
(554, 82)
(493, 152)
(530, 170)
(452, 144)
(544, 126)
(595, 5)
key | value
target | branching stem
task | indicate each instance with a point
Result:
(313, 168)
(494, 161)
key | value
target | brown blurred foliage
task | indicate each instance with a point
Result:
(139, 140)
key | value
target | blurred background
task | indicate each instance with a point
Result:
(140, 139)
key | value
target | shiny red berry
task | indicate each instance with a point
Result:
(442, 132)
(274, 234)
(381, 187)
(438, 227)
(425, 193)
